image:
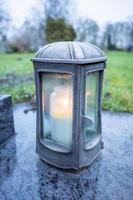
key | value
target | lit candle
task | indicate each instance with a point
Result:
(61, 115)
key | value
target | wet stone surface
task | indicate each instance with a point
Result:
(23, 176)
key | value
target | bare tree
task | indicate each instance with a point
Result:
(130, 31)
(87, 30)
(58, 8)
(118, 35)
(4, 26)
(30, 36)
(106, 39)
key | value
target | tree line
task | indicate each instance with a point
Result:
(53, 22)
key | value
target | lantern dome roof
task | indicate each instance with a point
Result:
(70, 52)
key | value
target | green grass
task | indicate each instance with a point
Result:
(18, 63)
(118, 79)
(20, 93)
(118, 82)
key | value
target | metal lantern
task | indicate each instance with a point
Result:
(68, 78)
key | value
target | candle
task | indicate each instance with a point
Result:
(61, 115)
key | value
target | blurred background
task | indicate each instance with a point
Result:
(28, 25)
(25, 26)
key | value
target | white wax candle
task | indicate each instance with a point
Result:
(61, 115)
(62, 130)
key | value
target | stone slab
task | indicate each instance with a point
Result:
(24, 176)
(6, 118)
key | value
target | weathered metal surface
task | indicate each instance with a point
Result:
(69, 52)
(6, 118)
(77, 59)
(23, 176)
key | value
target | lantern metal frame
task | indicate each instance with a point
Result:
(80, 154)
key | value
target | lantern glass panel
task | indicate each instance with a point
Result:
(57, 103)
(91, 105)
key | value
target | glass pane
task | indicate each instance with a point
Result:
(57, 99)
(91, 105)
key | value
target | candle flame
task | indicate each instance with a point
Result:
(88, 93)
(61, 102)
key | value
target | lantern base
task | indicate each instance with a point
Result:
(73, 169)
(66, 160)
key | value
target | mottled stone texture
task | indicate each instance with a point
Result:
(24, 176)
(6, 118)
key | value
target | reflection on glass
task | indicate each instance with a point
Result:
(57, 108)
(91, 105)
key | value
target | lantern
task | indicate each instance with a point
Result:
(68, 78)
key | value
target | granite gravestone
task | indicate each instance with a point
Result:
(6, 118)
